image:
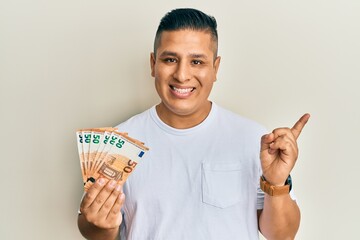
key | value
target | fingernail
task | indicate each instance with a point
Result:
(119, 188)
(101, 181)
(122, 196)
(112, 183)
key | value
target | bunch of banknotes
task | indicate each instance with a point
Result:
(106, 153)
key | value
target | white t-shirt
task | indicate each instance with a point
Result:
(197, 183)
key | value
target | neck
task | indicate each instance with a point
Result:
(182, 121)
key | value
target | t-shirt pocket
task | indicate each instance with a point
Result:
(224, 184)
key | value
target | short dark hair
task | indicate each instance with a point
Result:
(187, 18)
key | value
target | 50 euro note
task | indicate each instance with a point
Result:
(79, 140)
(104, 148)
(117, 159)
(98, 136)
(87, 143)
(86, 139)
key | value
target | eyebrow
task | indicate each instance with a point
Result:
(198, 55)
(168, 53)
(193, 55)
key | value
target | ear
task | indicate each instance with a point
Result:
(152, 64)
(216, 65)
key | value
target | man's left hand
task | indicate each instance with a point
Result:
(279, 152)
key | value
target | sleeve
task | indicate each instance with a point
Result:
(123, 227)
(260, 194)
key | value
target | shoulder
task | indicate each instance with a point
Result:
(135, 121)
(238, 123)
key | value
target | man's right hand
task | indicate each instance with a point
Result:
(100, 209)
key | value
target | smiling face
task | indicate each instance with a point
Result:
(185, 71)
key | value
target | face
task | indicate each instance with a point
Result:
(185, 70)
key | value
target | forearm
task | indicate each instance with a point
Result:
(280, 218)
(92, 232)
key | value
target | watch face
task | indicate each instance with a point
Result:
(289, 182)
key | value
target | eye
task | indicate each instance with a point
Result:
(196, 62)
(170, 60)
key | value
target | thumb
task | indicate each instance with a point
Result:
(266, 140)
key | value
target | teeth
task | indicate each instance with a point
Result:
(182, 90)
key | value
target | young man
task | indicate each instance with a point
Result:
(200, 179)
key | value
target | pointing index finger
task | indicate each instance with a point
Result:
(299, 125)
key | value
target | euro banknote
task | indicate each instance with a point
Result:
(107, 153)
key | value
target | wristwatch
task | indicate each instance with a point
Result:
(275, 190)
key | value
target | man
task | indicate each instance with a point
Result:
(200, 179)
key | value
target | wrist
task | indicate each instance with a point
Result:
(275, 190)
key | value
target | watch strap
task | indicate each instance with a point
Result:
(273, 190)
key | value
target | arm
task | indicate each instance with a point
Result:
(280, 217)
(100, 216)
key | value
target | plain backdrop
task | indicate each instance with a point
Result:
(75, 64)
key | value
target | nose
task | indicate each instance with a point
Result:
(182, 72)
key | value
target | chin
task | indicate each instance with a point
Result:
(181, 109)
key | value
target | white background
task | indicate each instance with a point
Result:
(75, 64)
